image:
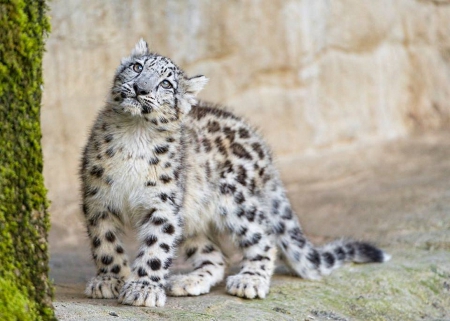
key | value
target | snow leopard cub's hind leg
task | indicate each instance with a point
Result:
(244, 214)
(208, 263)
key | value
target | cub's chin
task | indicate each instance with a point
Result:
(133, 107)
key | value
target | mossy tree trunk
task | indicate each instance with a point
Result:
(25, 291)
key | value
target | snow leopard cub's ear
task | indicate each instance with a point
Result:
(140, 49)
(190, 88)
(195, 84)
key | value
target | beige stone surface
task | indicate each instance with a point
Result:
(313, 75)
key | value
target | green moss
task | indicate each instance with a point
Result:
(25, 292)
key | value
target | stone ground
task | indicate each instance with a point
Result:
(395, 194)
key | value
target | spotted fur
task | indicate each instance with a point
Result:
(178, 172)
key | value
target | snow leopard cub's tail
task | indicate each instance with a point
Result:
(312, 262)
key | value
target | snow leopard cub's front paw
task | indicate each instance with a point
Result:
(104, 287)
(142, 293)
(248, 286)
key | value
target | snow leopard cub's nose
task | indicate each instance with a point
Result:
(140, 91)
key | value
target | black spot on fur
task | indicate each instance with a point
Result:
(220, 146)
(213, 126)
(158, 220)
(243, 230)
(150, 183)
(240, 151)
(252, 186)
(115, 269)
(167, 165)
(154, 264)
(340, 254)
(207, 144)
(168, 229)
(84, 209)
(227, 168)
(259, 258)
(287, 215)
(329, 259)
(279, 228)
(163, 197)
(258, 149)
(103, 271)
(241, 175)
(314, 258)
(119, 249)
(96, 242)
(227, 188)
(244, 133)
(165, 247)
(142, 272)
(229, 134)
(207, 170)
(140, 254)
(167, 263)
(153, 161)
(155, 278)
(163, 120)
(107, 259)
(165, 179)
(297, 236)
(250, 214)
(190, 251)
(108, 138)
(110, 237)
(170, 139)
(110, 152)
(148, 216)
(161, 149)
(275, 206)
(150, 240)
(223, 211)
(350, 251)
(91, 191)
(239, 198)
(204, 263)
(254, 240)
(176, 174)
(97, 171)
(146, 109)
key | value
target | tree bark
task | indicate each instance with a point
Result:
(25, 290)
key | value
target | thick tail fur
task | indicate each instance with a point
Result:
(311, 262)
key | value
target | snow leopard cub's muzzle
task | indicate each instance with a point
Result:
(152, 86)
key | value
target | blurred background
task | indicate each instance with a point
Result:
(315, 76)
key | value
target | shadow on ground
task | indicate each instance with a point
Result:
(396, 195)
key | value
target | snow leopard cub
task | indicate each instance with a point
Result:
(179, 172)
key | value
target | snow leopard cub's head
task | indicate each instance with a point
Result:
(152, 86)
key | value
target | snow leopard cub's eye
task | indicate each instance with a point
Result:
(137, 67)
(166, 84)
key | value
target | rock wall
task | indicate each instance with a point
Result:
(313, 75)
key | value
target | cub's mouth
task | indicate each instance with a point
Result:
(134, 106)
